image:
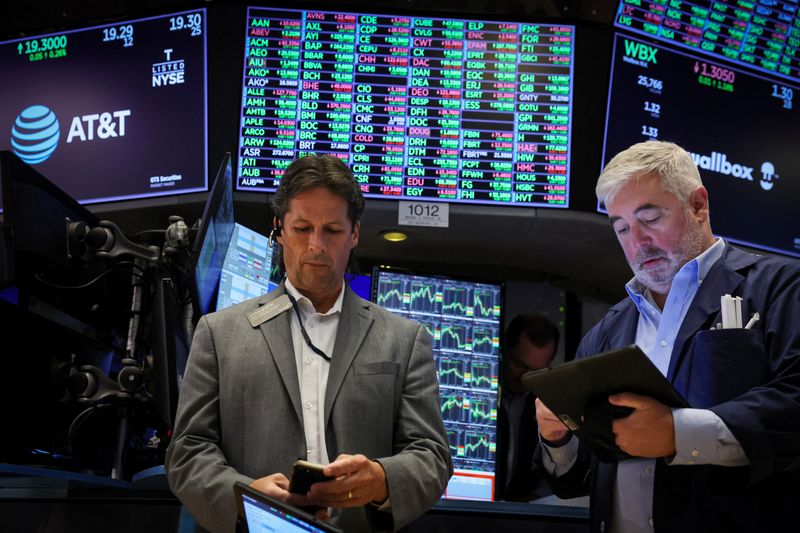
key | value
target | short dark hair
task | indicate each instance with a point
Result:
(537, 328)
(312, 171)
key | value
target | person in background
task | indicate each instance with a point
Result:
(731, 462)
(530, 343)
(311, 371)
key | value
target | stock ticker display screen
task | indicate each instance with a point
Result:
(247, 269)
(464, 320)
(110, 112)
(760, 34)
(741, 129)
(419, 107)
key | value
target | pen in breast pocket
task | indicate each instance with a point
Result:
(752, 321)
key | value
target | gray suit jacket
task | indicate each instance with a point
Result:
(239, 414)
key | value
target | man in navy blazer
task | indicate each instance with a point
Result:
(731, 462)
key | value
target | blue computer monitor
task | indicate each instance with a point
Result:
(211, 242)
(361, 284)
(246, 269)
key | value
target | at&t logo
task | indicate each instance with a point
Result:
(35, 134)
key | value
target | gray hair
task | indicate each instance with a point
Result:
(673, 164)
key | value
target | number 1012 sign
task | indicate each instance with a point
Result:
(432, 214)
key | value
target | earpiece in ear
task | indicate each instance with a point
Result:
(273, 234)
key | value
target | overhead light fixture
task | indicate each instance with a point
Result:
(394, 236)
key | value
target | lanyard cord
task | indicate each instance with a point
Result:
(303, 329)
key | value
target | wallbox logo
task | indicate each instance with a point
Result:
(768, 176)
(717, 162)
(35, 134)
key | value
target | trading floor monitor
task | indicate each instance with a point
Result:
(464, 320)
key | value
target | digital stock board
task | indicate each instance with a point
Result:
(464, 321)
(759, 34)
(741, 128)
(110, 112)
(419, 107)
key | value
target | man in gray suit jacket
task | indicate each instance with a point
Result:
(311, 371)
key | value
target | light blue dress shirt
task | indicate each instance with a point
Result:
(701, 437)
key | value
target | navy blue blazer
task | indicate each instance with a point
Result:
(749, 378)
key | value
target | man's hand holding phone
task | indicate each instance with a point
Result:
(305, 474)
(349, 481)
(357, 482)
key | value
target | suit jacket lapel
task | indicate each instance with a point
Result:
(354, 324)
(721, 279)
(278, 335)
(622, 326)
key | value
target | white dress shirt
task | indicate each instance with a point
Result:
(312, 369)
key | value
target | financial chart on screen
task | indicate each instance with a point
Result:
(473, 111)
(464, 320)
(110, 112)
(247, 269)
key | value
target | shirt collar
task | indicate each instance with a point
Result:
(305, 304)
(698, 268)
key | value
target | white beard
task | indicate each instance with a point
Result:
(659, 280)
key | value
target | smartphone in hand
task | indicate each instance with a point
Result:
(305, 474)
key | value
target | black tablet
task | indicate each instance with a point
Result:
(259, 513)
(577, 392)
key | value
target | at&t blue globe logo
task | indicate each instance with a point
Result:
(35, 134)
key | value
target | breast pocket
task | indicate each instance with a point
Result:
(366, 407)
(376, 368)
(374, 386)
(725, 364)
